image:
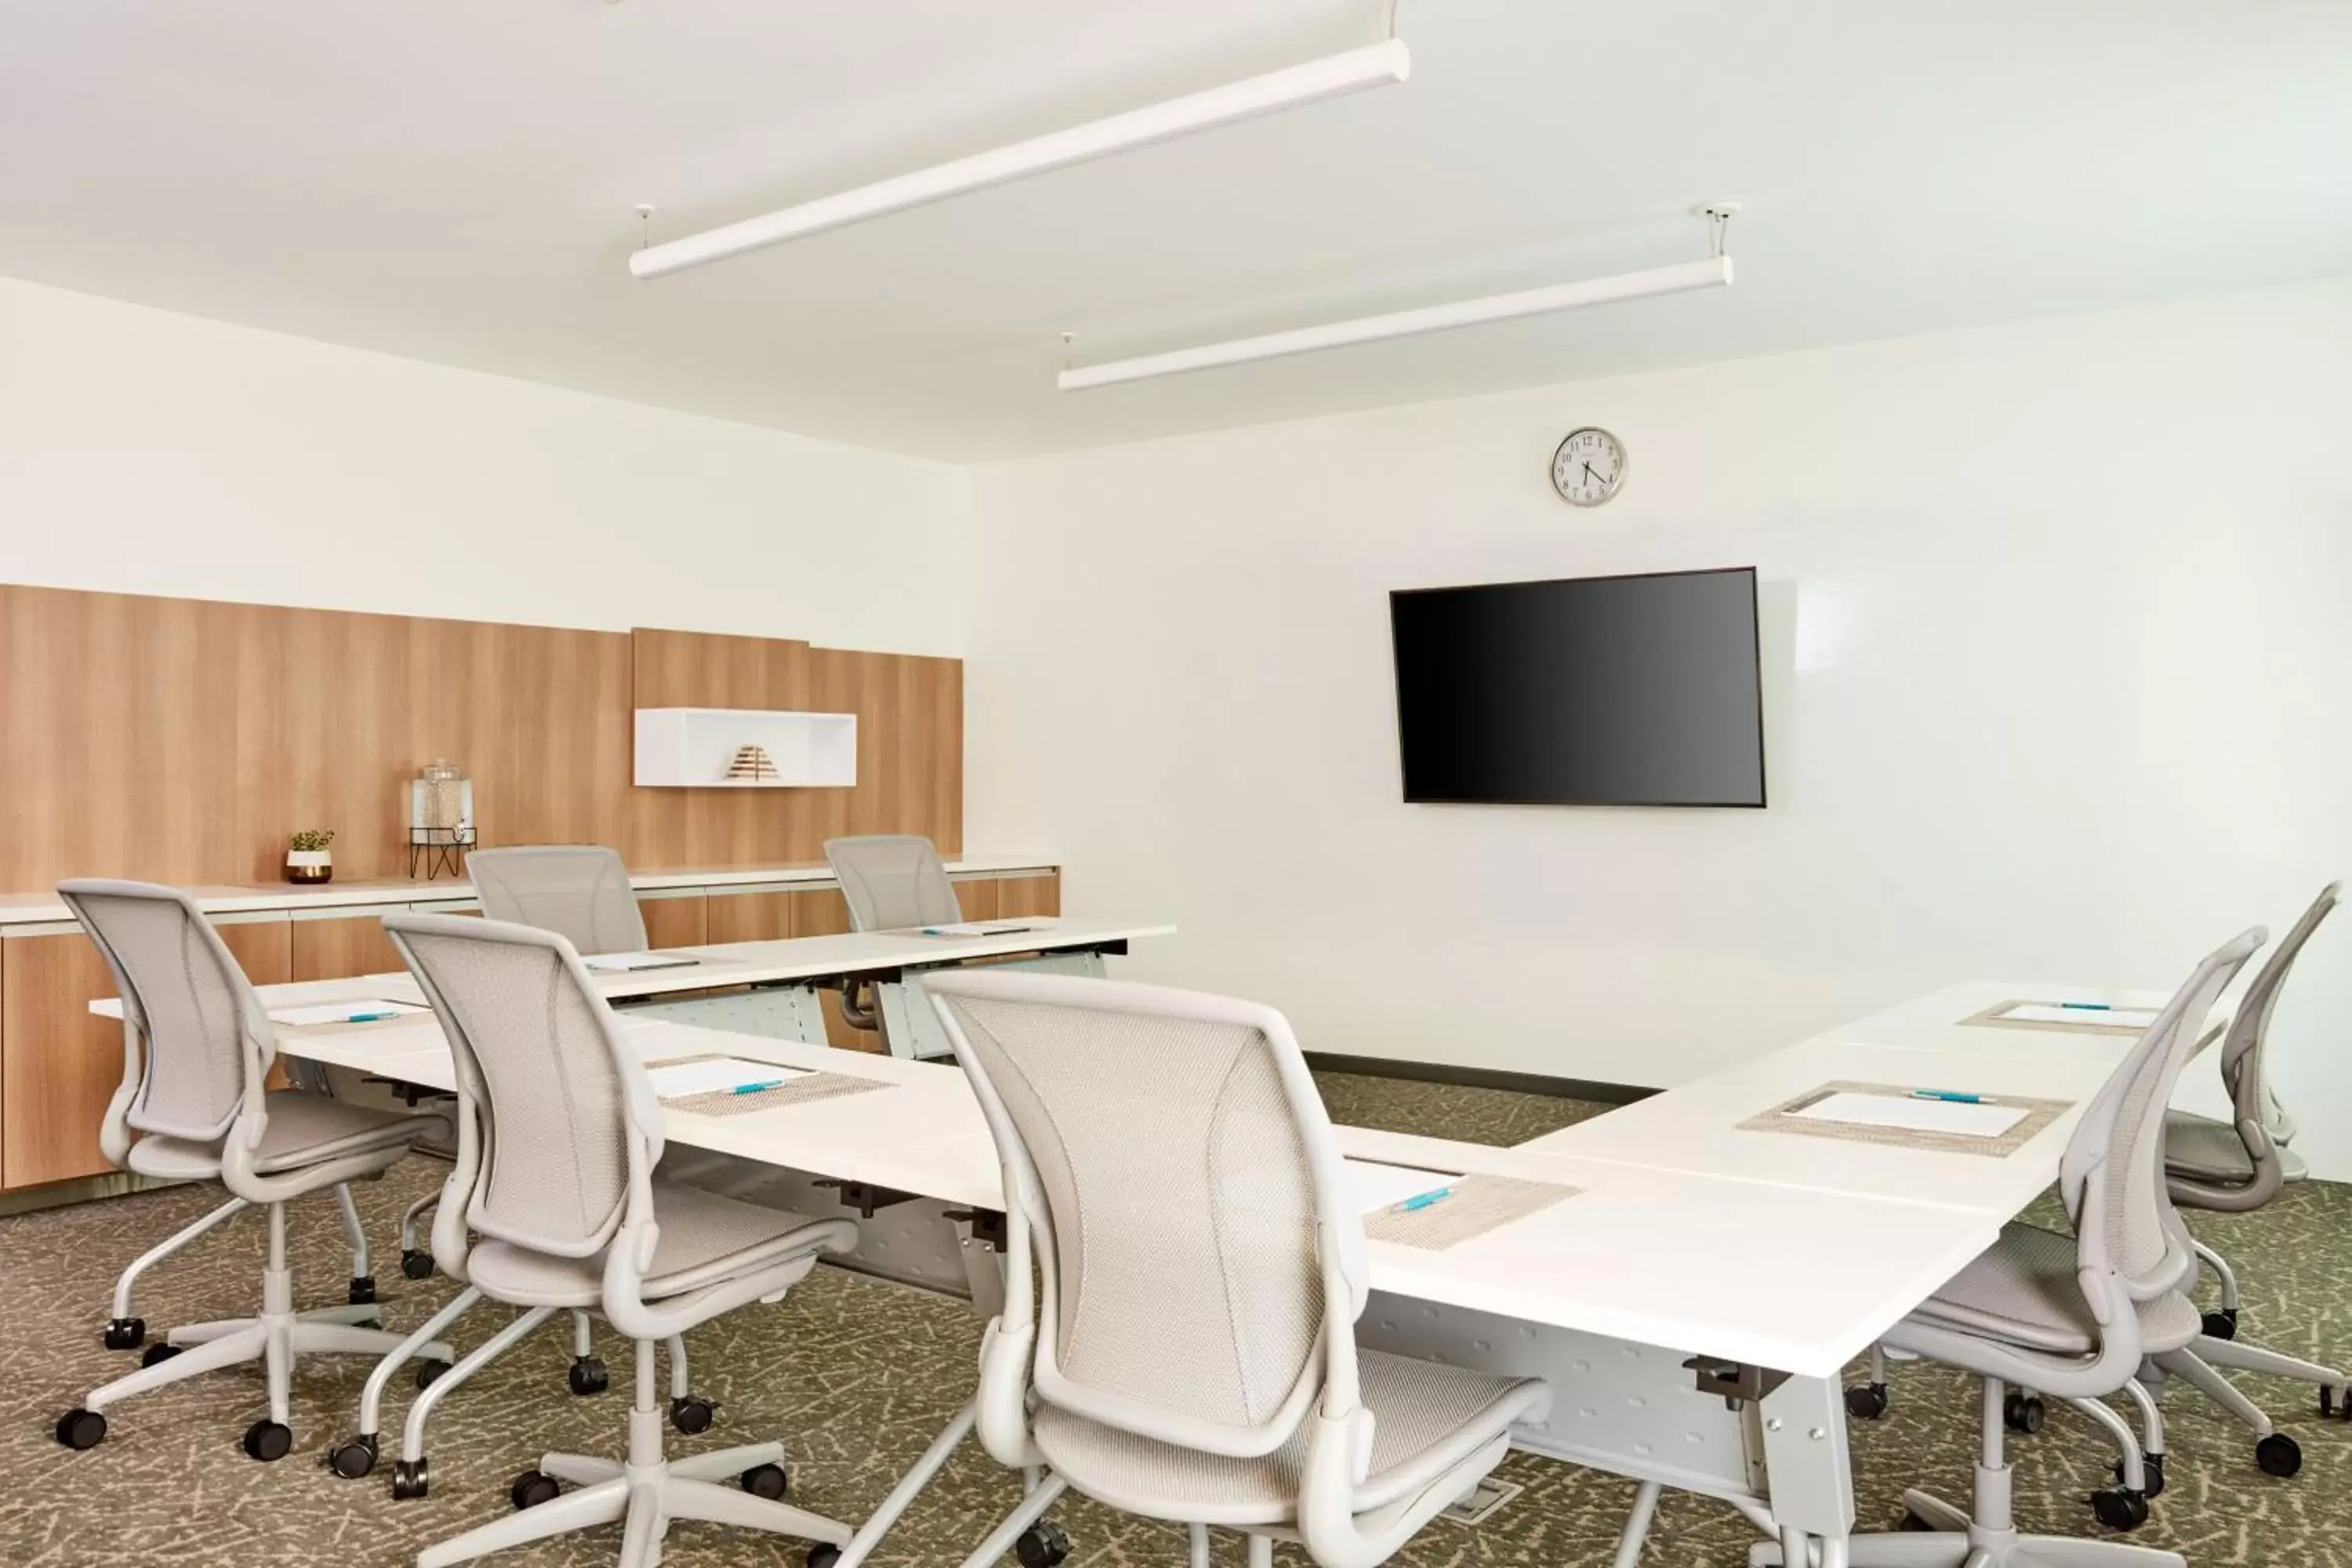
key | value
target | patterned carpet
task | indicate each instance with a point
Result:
(856, 1375)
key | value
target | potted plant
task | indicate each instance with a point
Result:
(307, 856)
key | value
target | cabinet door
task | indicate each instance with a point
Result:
(765, 915)
(61, 1063)
(1019, 896)
(676, 921)
(344, 945)
(821, 912)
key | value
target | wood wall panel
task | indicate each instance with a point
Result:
(180, 740)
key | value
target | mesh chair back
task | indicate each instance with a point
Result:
(184, 992)
(562, 1105)
(2241, 1053)
(580, 890)
(1187, 1176)
(893, 881)
(2115, 1159)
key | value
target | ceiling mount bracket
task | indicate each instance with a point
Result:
(1718, 217)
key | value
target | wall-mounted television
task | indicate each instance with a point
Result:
(1639, 690)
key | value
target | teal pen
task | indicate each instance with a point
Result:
(2087, 1006)
(1952, 1095)
(756, 1088)
(1424, 1200)
(370, 1017)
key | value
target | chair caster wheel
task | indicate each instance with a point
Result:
(530, 1489)
(429, 1372)
(126, 1333)
(158, 1355)
(354, 1458)
(410, 1480)
(2153, 1464)
(2329, 1409)
(691, 1414)
(1868, 1402)
(363, 1290)
(822, 1555)
(81, 1429)
(2120, 1510)
(269, 1441)
(770, 1481)
(2278, 1455)
(2024, 1413)
(415, 1263)
(2221, 1325)
(589, 1376)
(1042, 1545)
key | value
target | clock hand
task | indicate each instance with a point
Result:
(1591, 475)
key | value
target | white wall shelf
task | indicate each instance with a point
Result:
(690, 748)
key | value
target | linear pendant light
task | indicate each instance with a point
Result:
(1715, 272)
(1378, 65)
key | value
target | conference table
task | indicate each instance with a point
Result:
(1693, 1301)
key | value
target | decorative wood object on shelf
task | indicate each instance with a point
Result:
(751, 762)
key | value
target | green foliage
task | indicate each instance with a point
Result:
(311, 838)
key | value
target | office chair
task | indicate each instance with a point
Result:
(580, 890)
(2240, 1165)
(1168, 1167)
(558, 1135)
(890, 881)
(2070, 1315)
(197, 1049)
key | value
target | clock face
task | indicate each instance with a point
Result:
(1588, 468)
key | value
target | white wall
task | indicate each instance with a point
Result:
(146, 452)
(2058, 628)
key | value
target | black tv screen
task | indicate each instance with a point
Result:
(1586, 692)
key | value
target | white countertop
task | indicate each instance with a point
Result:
(16, 909)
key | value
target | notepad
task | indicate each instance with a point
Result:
(718, 1075)
(1377, 1186)
(1914, 1115)
(2079, 1017)
(365, 1010)
(631, 963)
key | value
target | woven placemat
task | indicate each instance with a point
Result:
(1475, 1204)
(798, 1090)
(1782, 1118)
(1990, 1018)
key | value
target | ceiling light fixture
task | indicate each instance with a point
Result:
(1715, 272)
(1378, 65)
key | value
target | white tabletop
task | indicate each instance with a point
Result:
(1637, 1253)
(758, 963)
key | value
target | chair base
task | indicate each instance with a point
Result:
(644, 1499)
(1957, 1541)
(277, 1339)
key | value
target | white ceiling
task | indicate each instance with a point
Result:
(453, 182)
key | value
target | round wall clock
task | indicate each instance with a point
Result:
(1589, 466)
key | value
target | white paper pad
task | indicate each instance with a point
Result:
(630, 962)
(340, 1011)
(1915, 1115)
(2096, 1017)
(723, 1075)
(1376, 1186)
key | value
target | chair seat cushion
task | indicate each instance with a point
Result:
(1428, 1417)
(2204, 1150)
(705, 1239)
(2022, 1291)
(303, 1130)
